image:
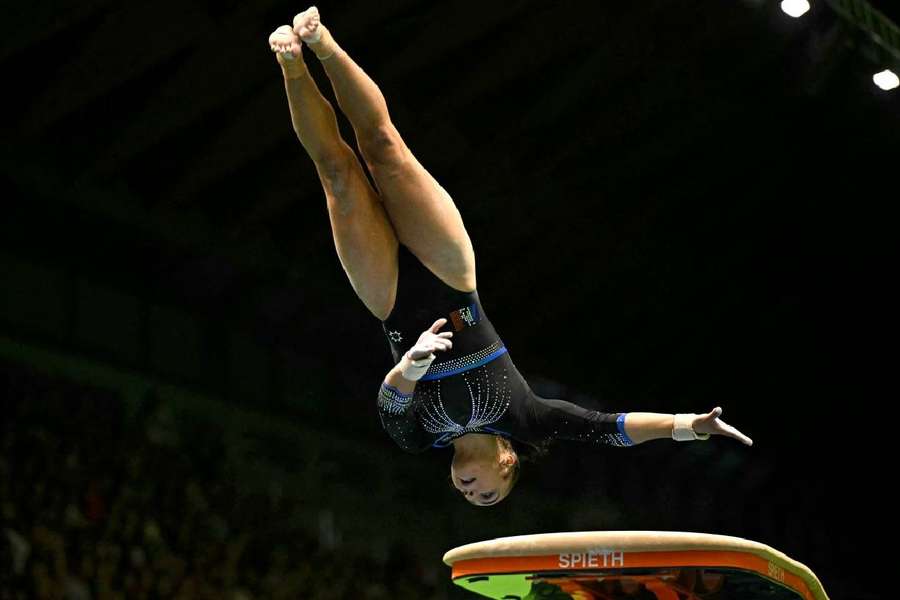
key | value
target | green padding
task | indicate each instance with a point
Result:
(512, 587)
(738, 585)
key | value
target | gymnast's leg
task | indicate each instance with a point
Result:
(424, 216)
(363, 236)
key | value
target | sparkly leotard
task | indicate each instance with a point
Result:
(474, 387)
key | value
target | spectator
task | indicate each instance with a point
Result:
(91, 514)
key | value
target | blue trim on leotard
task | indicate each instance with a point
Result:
(475, 365)
(396, 391)
(620, 422)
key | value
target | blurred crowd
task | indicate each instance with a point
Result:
(95, 507)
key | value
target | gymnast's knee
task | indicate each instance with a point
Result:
(382, 146)
(334, 168)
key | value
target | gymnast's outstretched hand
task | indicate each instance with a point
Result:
(431, 341)
(418, 358)
(711, 424)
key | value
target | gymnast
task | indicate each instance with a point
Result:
(453, 382)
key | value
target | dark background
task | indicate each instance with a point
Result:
(674, 206)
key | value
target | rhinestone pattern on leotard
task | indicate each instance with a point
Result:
(464, 363)
(616, 439)
(392, 400)
(489, 395)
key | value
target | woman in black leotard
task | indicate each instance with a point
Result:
(453, 383)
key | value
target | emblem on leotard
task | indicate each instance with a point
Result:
(464, 317)
(395, 336)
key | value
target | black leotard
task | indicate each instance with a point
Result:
(474, 387)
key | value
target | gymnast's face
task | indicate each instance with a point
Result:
(485, 480)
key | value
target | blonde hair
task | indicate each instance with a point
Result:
(515, 468)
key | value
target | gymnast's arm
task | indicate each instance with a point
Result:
(402, 379)
(642, 427)
(395, 378)
(395, 397)
(396, 392)
(561, 419)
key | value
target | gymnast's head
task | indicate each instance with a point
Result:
(485, 468)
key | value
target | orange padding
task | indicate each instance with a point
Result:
(631, 560)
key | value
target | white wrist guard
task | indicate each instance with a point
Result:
(682, 430)
(413, 370)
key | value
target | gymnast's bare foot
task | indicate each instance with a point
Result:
(284, 41)
(308, 27)
(286, 46)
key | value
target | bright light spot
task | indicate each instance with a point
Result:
(795, 8)
(886, 80)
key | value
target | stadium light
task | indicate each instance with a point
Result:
(795, 8)
(886, 80)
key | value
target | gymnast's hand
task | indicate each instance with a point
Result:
(711, 423)
(431, 341)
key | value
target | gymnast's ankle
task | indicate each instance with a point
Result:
(292, 67)
(309, 27)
